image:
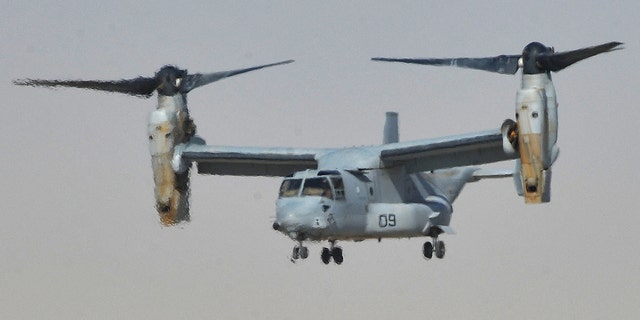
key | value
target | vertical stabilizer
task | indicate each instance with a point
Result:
(391, 134)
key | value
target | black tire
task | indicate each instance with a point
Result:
(440, 249)
(295, 255)
(325, 256)
(304, 252)
(336, 253)
(427, 250)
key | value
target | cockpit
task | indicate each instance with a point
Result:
(326, 184)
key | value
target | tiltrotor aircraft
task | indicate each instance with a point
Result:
(393, 190)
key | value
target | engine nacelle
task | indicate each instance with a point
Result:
(171, 189)
(536, 131)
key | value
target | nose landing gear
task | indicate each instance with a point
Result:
(299, 252)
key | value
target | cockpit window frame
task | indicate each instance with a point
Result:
(292, 185)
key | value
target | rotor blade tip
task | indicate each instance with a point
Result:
(278, 63)
(282, 62)
(27, 82)
(617, 45)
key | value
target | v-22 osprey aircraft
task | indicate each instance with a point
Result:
(393, 190)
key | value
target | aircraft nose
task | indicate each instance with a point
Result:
(295, 216)
(285, 224)
(289, 222)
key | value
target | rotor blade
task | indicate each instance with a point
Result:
(197, 80)
(140, 86)
(501, 64)
(561, 60)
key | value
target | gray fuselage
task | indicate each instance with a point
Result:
(367, 204)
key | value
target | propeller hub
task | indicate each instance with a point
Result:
(169, 80)
(530, 56)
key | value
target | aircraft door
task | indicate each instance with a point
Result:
(363, 186)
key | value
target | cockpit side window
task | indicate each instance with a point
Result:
(338, 187)
(290, 188)
(317, 187)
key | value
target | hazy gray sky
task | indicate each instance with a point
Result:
(80, 238)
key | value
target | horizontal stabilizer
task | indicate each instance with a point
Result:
(491, 174)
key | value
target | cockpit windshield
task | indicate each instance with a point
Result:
(290, 188)
(324, 186)
(317, 187)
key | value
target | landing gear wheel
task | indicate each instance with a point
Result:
(427, 250)
(304, 252)
(440, 249)
(295, 255)
(300, 252)
(325, 256)
(336, 253)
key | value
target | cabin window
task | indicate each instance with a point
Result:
(290, 188)
(317, 187)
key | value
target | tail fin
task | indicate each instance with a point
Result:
(391, 134)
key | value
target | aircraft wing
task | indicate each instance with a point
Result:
(454, 151)
(415, 156)
(250, 161)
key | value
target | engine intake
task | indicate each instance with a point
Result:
(510, 137)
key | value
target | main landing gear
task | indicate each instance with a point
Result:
(332, 252)
(437, 247)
